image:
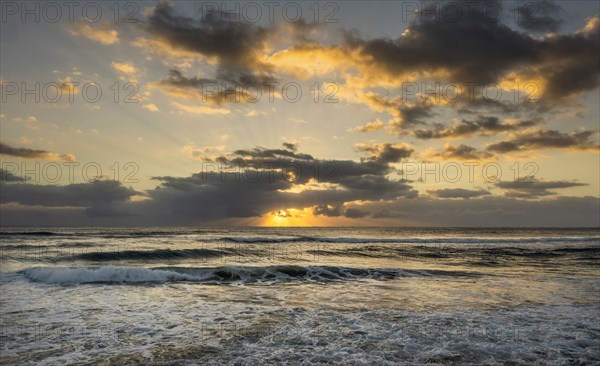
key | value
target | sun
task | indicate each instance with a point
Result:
(290, 217)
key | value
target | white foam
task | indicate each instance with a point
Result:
(102, 274)
(216, 275)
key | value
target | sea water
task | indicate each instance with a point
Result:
(299, 296)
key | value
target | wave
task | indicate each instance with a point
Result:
(207, 235)
(143, 234)
(105, 233)
(472, 255)
(222, 275)
(101, 275)
(437, 240)
(33, 233)
(164, 254)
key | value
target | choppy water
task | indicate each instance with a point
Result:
(318, 296)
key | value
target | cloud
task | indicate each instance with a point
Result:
(6, 176)
(490, 211)
(544, 139)
(247, 88)
(200, 109)
(151, 107)
(327, 210)
(26, 153)
(250, 183)
(473, 49)
(386, 153)
(104, 36)
(476, 48)
(290, 146)
(534, 188)
(124, 67)
(409, 115)
(233, 43)
(68, 86)
(254, 182)
(483, 125)
(237, 48)
(99, 198)
(355, 213)
(460, 152)
(571, 64)
(338, 210)
(457, 193)
(254, 113)
(202, 153)
(424, 46)
(406, 114)
(369, 127)
(539, 16)
(262, 158)
(478, 104)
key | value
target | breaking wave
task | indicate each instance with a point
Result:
(222, 275)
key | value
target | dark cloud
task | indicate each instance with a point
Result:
(99, 198)
(253, 182)
(471, 49)
(256, 193)
(482, 125)
(490, 211)
(262, 158)
(457, 193)
(534, 188)
(543, 139)
(243, 88)
(246, 194)
(570, 63)
(307, 167)
(72, 195)
(476, 105)
(383, 213)
(253, 193)
(290, 146)
(327, 210)
(6, 176)
(235, 44)
(475, 48)
(26, 153)
(386, 153)
(355, 213)
(414, 115)
(460, 152)
(406, 115)
(338, 210)
(539, 16)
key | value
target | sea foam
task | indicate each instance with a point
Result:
(222, 275)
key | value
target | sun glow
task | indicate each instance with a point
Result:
(302, 217)
(290, 217)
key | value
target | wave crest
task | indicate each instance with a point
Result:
(221, 275)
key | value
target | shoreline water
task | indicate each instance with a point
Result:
(341, 296)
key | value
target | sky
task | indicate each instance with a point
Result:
(348, 113)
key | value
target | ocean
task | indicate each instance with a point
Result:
(299, 296)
